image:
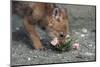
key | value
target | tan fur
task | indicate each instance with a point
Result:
(42, 15)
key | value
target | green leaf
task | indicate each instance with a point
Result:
(67, 45)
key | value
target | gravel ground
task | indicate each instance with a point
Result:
(82, 26)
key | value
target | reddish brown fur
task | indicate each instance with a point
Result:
(42, 14)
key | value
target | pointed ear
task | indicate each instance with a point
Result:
(56, 13)
(64, 13)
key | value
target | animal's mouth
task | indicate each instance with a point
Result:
(56, 42)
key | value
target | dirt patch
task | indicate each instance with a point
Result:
(82, 26)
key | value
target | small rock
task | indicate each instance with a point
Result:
(89, 54)
(82, 35)
(17, 28)
(35, 56)
(93, 47)
(80, 56)
(90, 45)
(29, 58)
(75, 52)
(49, 50)
(19, 45)
(77, 33)
(84, 30)
(30, 51)
(58, 54)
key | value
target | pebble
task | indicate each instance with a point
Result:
(74, 52)
(82, 35)
(77, 33)
(84, 30)
(17, 28)
(35, 56)
(93, 47)
(29, 58)
(58, 54)
(90, 45)
(30, 51)
(14, 54)
(89, 54)
(19, 45)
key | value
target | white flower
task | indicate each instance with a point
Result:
(68, 36)
(54, 41)
(76, 46)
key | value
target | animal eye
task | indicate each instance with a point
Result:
(61, 34)
(43, 28)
